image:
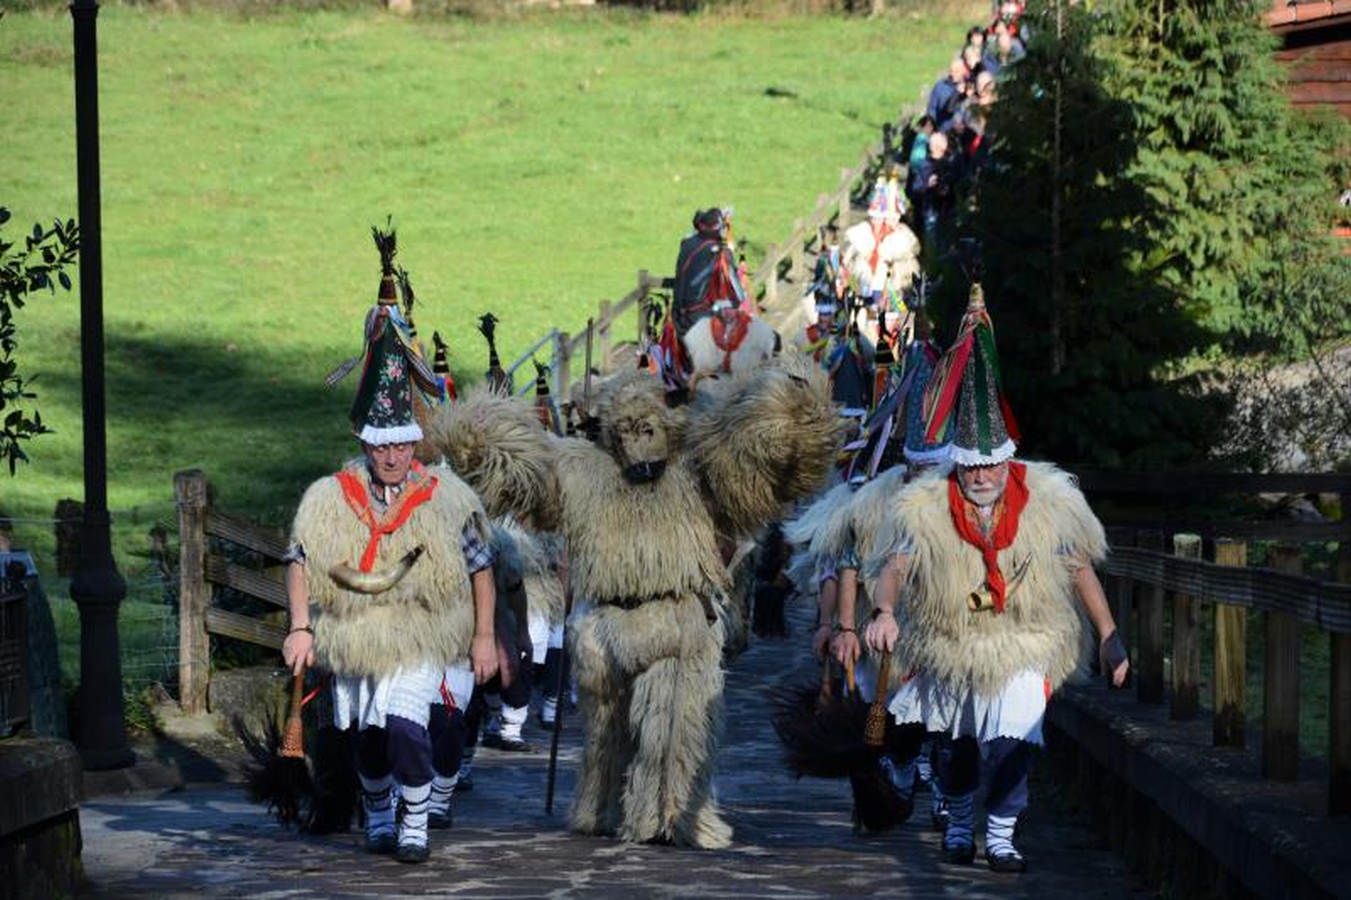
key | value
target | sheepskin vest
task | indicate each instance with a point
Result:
(533, 559)
(631, 542)
(427, 617)
(1040, 626)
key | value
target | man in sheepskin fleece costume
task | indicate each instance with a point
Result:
(977, 591)
(391, 586)
(643, 513)
(848, 524)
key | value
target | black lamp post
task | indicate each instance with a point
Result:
(96, 587)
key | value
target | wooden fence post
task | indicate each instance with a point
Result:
(772, 279)
(847, 185)
(644, 301)
(563, 366)
(1149, 601)
(1231, 626)
(1186, 639)
(1120, 594)
(1280, 681)
(603, 337)
(1339, 698)
(799, 259)
(69, 516)
(194, 595)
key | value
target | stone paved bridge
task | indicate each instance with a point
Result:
(793, 838)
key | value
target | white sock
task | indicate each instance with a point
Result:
(513, 717)
(548, 710)
(923, 766)
(413, 825)
(999, 836)
(961, 820)
(443, 789)
(377, 799)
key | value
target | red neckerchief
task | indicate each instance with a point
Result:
(728, 342)
(878, 238)
(416, 491)
(1006, 514)
(817, 339)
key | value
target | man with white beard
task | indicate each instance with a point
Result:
(979, 590)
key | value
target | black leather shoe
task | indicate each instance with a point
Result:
(1006, 862)
(514, 745)
(464, 785)
(440, 821)
(412, 853)
(959, 854)
(384, 843)
(939, 817)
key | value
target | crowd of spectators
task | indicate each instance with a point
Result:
(951, 141)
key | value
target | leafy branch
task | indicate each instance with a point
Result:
(41, 263)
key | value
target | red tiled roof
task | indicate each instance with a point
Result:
(1284, 14)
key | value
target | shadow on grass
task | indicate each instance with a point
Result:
(256, 418)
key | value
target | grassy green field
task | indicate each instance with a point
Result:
(532, 165)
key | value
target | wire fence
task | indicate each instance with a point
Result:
(145, 538)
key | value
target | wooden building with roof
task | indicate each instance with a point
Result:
(1316, 45)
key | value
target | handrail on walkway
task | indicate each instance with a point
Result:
(830, 209)
(1140, 574)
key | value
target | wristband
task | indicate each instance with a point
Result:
(305, 628)
(879, 611)
(1114, 652)
(844, 630)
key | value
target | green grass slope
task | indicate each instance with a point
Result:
(532, 166)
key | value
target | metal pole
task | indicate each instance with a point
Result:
(96, 586)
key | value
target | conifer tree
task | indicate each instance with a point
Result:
(1087, 328)
(1213, 139)
(1242, 185)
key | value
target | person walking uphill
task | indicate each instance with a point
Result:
(977, 592)
(390, 585)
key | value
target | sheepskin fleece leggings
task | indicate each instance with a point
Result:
(650, 695)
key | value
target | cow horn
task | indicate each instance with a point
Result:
(374, 582)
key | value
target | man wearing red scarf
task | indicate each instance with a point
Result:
(980, 592)
(390, 589)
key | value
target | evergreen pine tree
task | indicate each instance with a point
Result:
(1242, 184)
(1087, 329)
(1214, 142)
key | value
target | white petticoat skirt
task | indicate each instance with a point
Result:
(365, 701)
(1016, 711)
(542, 637)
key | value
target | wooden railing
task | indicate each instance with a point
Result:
(200, 568)
(1176, 585)
(831, 208)
(564, 347)
(1208, 485)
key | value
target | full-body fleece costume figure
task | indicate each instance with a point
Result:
(977, 589)
(643, 513)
